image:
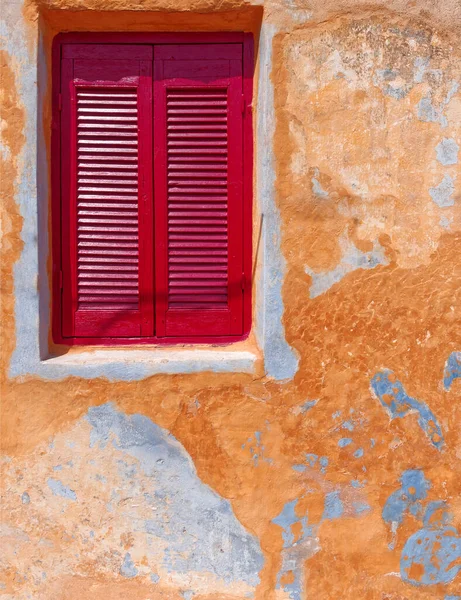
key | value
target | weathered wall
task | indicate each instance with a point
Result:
(335, 475)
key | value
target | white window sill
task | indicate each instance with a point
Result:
(135, 364)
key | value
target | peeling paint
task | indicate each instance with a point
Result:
(452, 369)
(59, 489)
(296, 550)
(432, 555)
(351, 260)
(333, 506)
(447, 152)
(431, 114)
(128, 568)
(442, 193)
(407, 499)
(398, 404)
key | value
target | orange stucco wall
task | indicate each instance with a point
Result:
(340, 479)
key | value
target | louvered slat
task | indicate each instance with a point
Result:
(197, 123)
(107, 199)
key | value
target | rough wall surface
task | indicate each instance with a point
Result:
(336, 475)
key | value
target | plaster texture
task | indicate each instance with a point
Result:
(322, 459)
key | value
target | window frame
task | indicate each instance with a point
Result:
(246, 40)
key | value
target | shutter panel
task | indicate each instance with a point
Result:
(106, 150)
(198, 167)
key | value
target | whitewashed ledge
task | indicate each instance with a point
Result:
(126, 364)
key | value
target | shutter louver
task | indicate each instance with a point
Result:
(197, 198)
(107, 200)
(198, 178)
(106, 104)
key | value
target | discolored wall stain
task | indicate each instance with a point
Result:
(333, 471)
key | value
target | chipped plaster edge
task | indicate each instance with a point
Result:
(32, 305)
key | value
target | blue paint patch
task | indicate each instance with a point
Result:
(311, 459)
(128, 568)
(358, 453)
(295, 552)
(323, 463)
(446, 222)
(452, 598)
(437, 514)
(336, 415)
(387, 80)
(154, 578)
(343, 442)
(286, 519)
(334, 508)
(355, 483)
(308, 405)
(295, 588)
(398, 93)
(442, 193)
(57, 468)
(420, 67)
(398, 404)
(25, 498)
(188, 512)
(447, 152)
(352, 258)
(257, 449)
(452, 369)
(299, 468)
(407, 499)
(59, 489)
(317, 188)
(433, 554)
(437, 551)
(429, 113)
(361, 507)
(348, 425)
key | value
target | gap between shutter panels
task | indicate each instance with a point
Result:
(197, 197)
(107, 199)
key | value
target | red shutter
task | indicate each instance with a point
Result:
(198, 172)
(107, 224)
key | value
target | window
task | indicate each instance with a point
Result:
(152, 189)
